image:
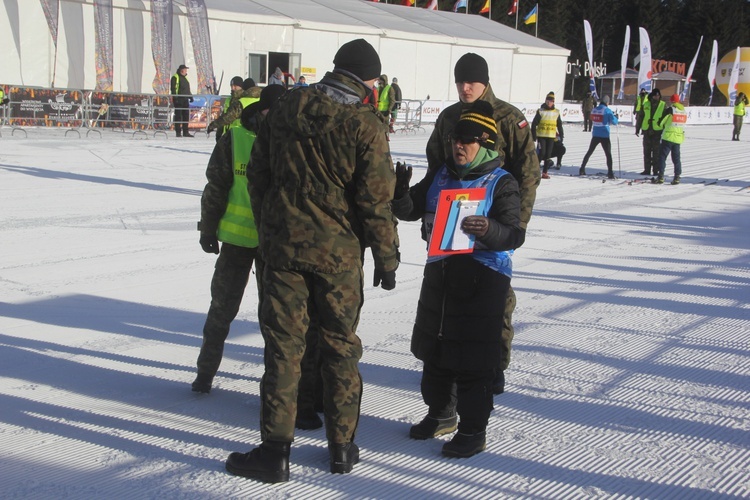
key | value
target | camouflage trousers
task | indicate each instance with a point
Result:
(288, 297)
(231, 274)
(507, 334)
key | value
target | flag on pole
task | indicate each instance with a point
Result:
(644, 71)
(513, 8)
(683, 94)
(590, 52)
(624, 63)
(486, 8)
(460, 4)
(407, 3)
(531, 16)
(734, 79)
(712, 70)
(433, 5)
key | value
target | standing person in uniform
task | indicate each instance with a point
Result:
(640, 100)
(515, 142)
(321, 185)
(226, 216)
(546, 127)
(673, 123)
(386, 99)
(586, 107)
(602, 117)
(397, 96)
(244, 96)
(739, 115)
(458, 327)
(181, 99)
(651, 114)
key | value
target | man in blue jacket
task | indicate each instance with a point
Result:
(601, 117)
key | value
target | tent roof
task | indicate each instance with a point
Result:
(668, 75)
(615, 75)
(380, 19)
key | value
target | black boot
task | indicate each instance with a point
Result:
(498, 384)
(582, 171)
(465, 445)
(307, 419)
(610, 175)
(431, 427)
(202, 383)
(343, 457)
(269, 463)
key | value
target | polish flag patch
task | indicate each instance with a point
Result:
(522, 124)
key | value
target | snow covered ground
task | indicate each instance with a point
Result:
(630, 375)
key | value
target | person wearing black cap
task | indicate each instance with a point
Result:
(244, 93)
(181, 99)
(226, 216)
(321, 184)
(547, 128)
(458, 327)
(650, 116)
(515, 143)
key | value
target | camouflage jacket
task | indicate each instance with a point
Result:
(234, 111)
(517, 146)
(220, 176)
(322, 180)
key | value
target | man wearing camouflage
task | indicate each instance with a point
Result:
(246, 94)
(515, 143)
(321, 184)
(226, 216)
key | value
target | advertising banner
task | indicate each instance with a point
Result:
(161, 44)
(201, 39)
(51, 10)
(32, 107)
(103, 44)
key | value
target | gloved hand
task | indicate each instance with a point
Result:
(385, 279)
(211, 127)
(637, 134)
(478, 225)
(190, 99)
(403, 176)
(209, 243)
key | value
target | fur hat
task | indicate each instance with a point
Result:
(472, 68)
(358, 58)
(477, 122)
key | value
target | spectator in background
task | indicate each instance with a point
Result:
(640, 99)
(386, 99)
(546, 127)
(586, 106)
(673, 123)
(277, 78)
(181, 99)
(651, 114)
(302, 82)
(739, 115)
(397, 104)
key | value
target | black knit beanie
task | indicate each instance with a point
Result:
(359, 58)
(472, 68)
(477, 122)
(236, 81)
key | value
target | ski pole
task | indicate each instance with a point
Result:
(619, 163)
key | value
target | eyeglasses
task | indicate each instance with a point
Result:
(464, 139)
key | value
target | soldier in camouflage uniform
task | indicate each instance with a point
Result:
(226, 216)
(321, 184)
(515, 143)
(247, 95)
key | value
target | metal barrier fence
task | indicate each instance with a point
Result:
(78, 110)
(409, 117)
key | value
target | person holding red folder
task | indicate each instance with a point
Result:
(458, 327)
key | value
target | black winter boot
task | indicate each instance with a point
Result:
(307, 419)
(465, 445)
(431, 427)
(202, 383)
(343, 457)
(269, 463)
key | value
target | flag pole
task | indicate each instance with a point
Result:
(516, 17)
(536, 24)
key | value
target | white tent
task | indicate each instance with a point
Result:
(252, 37)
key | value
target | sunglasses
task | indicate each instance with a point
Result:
(464, 139)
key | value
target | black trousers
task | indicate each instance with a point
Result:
(547, 145)
(606, 145)
(181, 116)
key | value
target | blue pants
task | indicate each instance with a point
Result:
(666, 148)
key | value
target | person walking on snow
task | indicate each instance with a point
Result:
(673, 123)
(546, 126)
(602, 117)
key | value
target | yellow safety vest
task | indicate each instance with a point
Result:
(674, 125)
(739, 109)
(547, 126)
(383, 101)
(657, 116)
(245, 101)
(237, 225)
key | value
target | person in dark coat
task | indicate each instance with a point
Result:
(181, 99)
(458, 328)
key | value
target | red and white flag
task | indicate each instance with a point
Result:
(513, 8)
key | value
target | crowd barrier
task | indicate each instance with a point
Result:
(90, 110)
(409, 117)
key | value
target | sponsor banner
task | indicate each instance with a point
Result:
(161, 44)
(103, 44)
(32, 107)
(127, 111)
(51, 10)
(201, 39)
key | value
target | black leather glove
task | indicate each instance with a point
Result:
(385, 279)
(478, 225)
(209, 243)
(403, 176)
(190, 99)
(211, 127)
